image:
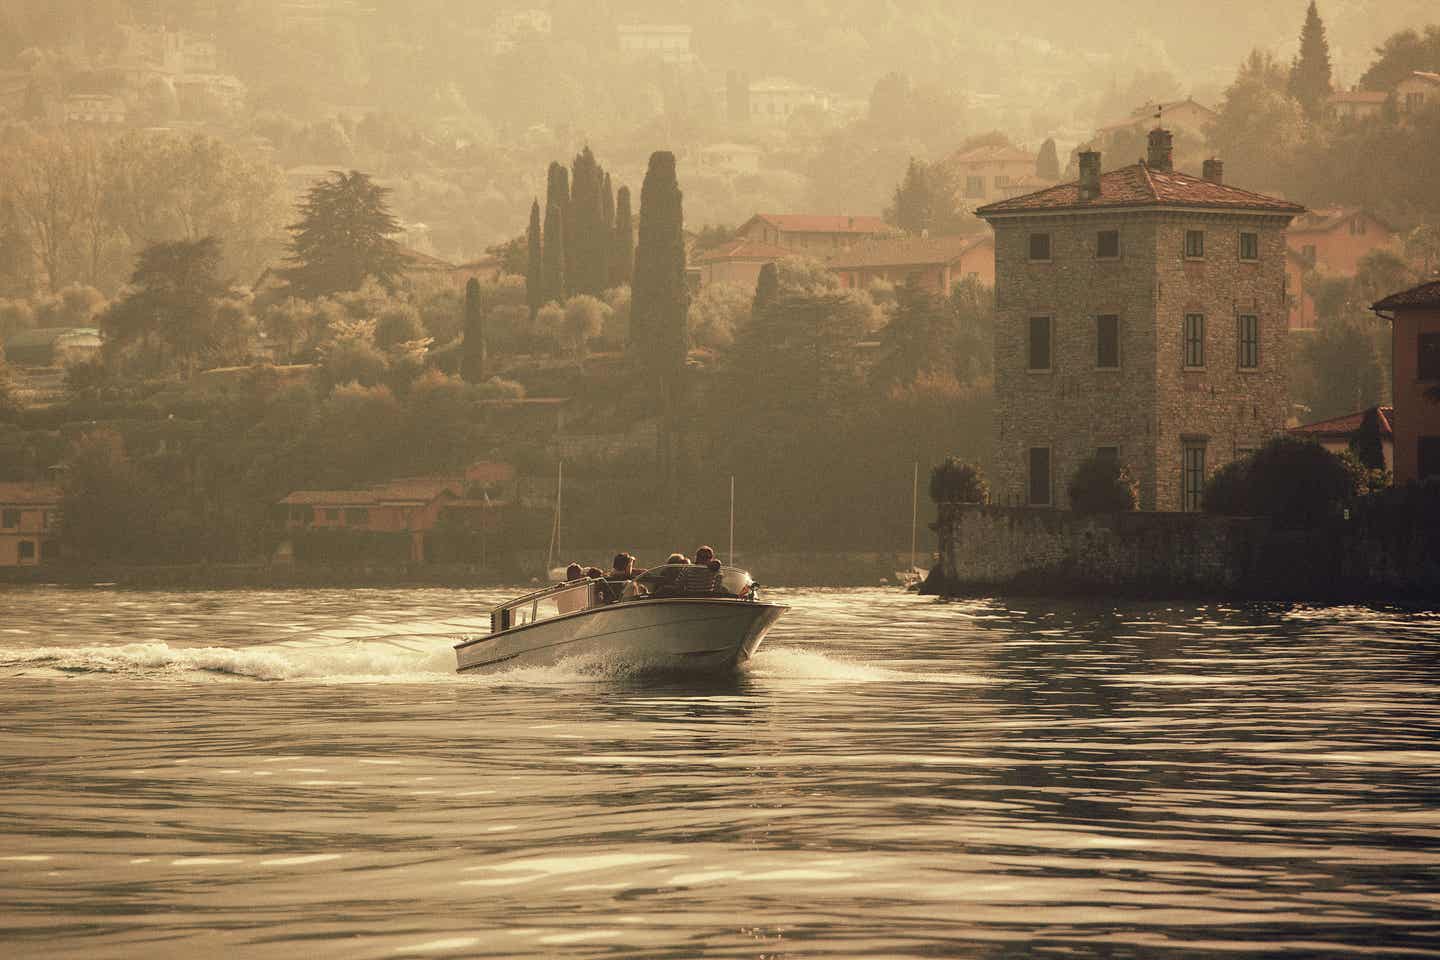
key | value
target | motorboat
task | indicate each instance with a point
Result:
(672, 617)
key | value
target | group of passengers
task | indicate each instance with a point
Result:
(622, 568)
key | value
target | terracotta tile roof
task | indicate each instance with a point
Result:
(823, 223)
(29, 494)
(905, 252)
(744, 250)
(332, 498)
(992, 154)
(406, 490)
(1330, 218)
(1347, 425)
(1425, 295)
(1139, 185)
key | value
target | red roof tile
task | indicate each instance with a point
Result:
(29, 494)
(992, 154)
(905, 252)
(1140, 185)
(1347, 425)
(744, 250)
(823, 223)
(1425, 295)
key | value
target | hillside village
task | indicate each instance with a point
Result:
(848, 310)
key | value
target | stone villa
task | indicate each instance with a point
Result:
(1141, 314)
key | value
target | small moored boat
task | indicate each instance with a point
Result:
(673, 617)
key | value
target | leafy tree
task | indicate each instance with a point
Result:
(472, 364)
(918, 340)
(583, 321)
(1400, 55)
(1310, 73)
(534, 265)
(971, 306)
(349, 355)
(343, 237)
(170, 311)
(1422, 246)
(396, 324)
(1347, 374)
(660, 297)
(1258, 127)
(767, 289)
(717, 313)
(107, 507)
(1047, 163)
(8, 403)
(553, 265)
(617, 323)
(956, 481)
(1102, 485)
(622, 259)
(1367, 444)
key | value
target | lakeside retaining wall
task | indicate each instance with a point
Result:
(989, 550)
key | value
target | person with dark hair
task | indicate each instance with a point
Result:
(622, 568)
(574, 572)
(678, 558)
(703, 555)
(594, 573)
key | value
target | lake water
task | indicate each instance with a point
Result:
(300, 774)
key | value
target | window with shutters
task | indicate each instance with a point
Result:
(1107, 342)
(1247, 340)
(1194, 341)
(1038, 352)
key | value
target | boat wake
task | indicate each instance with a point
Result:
(429, 661)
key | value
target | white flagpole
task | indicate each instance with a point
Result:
(914, 512)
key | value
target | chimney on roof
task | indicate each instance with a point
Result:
(1214, 170)
(1089, 174)
(1162, 150)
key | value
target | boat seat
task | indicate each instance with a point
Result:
(681, 580)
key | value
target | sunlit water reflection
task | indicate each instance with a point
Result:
(282, 774)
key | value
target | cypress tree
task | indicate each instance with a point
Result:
(1310, 73)
(534, 264)
(552, 269)
(1047, 164)
(557, 195)
(472, 356)
(622, 251)
(582, 235)
(660, 300)
(767, 289)
(605, 238)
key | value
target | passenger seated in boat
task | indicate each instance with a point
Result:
(703, 556)
(594, 573)
(574, 572)
(622, 568)
(678, 558)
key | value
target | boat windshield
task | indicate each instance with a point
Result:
(546, 604)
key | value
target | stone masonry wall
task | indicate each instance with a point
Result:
(1151, 406)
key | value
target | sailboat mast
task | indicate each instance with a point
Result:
(914, 511)
(732, 520)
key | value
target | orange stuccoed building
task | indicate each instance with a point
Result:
(1415, 342)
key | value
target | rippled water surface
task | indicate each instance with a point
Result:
(288, 774)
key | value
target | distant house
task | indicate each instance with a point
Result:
(986, 173)
(52, 346)
(1415, 360)
(96, 108)
(738, 262)
(1188, 115)
(731, 158)
(411, 506)
(774, 100)
(1354, 105)
(29, 531)
(1419, 90)
(936, 262)
(669, 43)
(1337, 433)
(1333, 240)
(813, 235)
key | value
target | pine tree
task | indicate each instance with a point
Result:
(552, 269)
(472, 357)
(660, 300)
(343, 237)
(534, 264)
(912, 208)
(1310, 73)
(622, 251)
(1047, 164)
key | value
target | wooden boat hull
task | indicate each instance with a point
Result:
(663, 634)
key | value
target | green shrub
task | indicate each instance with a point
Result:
(955, 481)
(1102, 485)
